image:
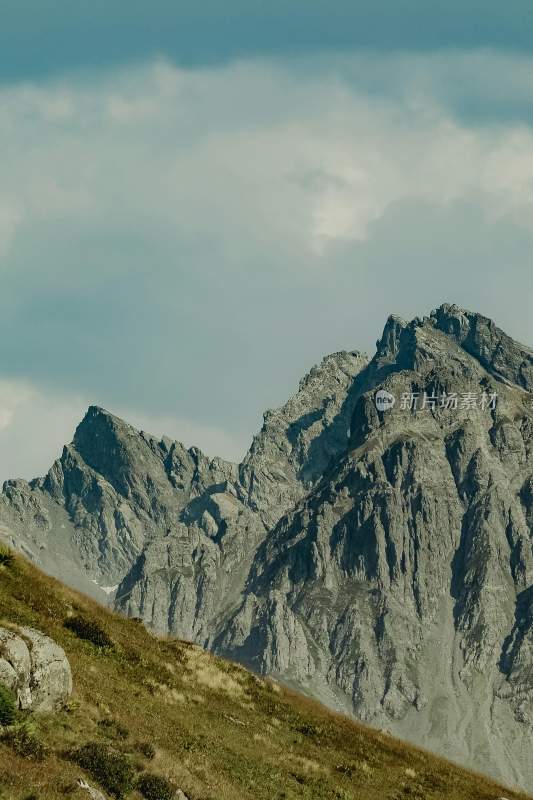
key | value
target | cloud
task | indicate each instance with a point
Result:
(250, 150)
(33, 428)
(182, 244)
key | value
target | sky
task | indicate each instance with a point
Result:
(199, 201)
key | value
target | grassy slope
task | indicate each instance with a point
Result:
(218, 731)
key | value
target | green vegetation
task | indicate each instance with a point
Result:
(8, 706)
(6, 557)
(113, 729)
(204, 725)
(153, 787)
(23, 739)
(111, 769)
(146, 749)
(89, 630)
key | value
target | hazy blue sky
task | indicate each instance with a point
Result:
(198, 201)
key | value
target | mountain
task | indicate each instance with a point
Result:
(177, 722)
(377, 556)
(119, 506)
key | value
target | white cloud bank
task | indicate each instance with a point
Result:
(250, 151)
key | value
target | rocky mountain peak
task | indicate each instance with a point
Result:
(445, 336)
(299, 439)
(388, 345)
(498, 353)
(381, 558)
(111, 447)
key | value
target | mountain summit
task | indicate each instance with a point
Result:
(376, 552)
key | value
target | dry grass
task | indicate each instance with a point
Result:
(209, 726)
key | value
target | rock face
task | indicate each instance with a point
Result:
(381, 560)
(35, 668)
(400, 586)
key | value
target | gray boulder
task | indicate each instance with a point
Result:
(35, 668)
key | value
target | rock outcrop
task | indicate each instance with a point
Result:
(94, 794)
(35, 668)
(380, 558)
